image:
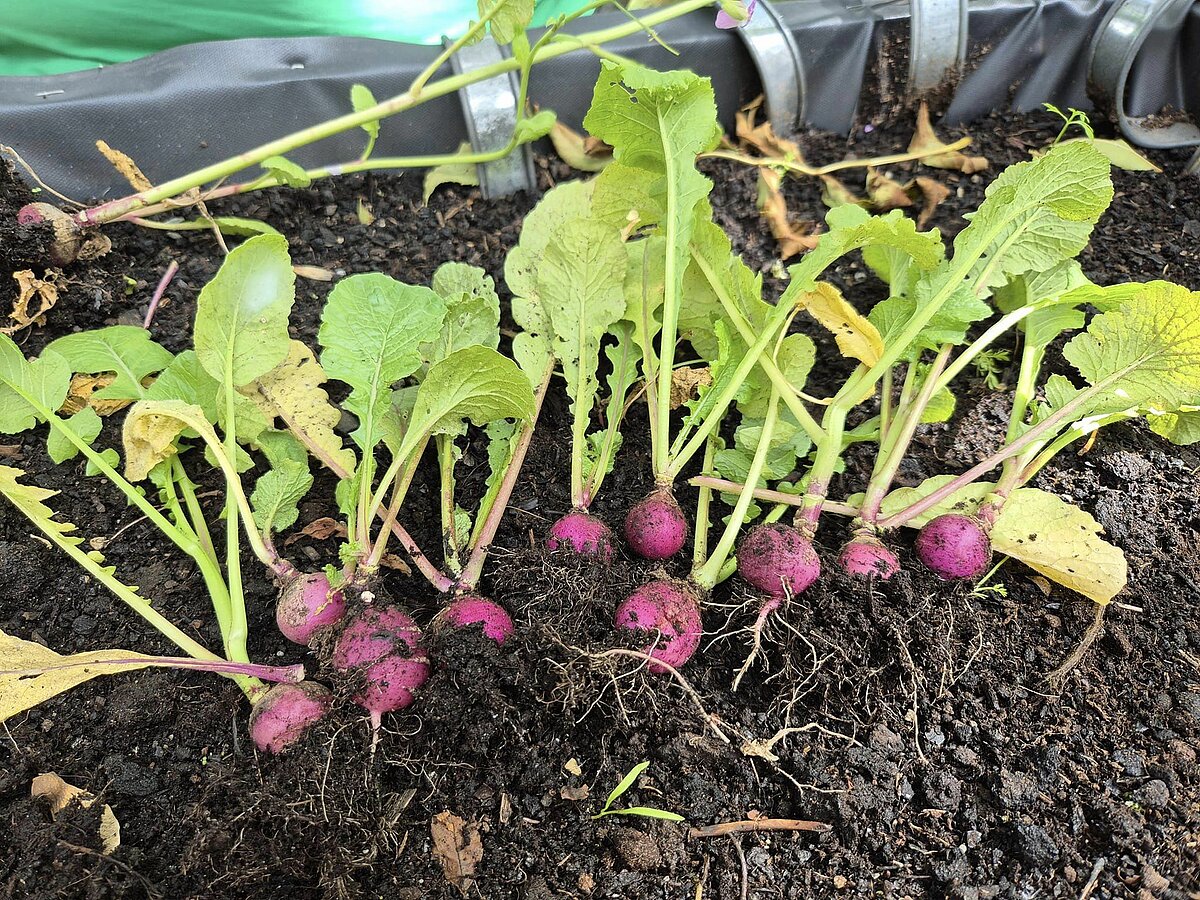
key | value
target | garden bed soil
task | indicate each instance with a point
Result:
(924, 732)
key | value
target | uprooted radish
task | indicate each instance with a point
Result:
(778, 560)
(866, 556)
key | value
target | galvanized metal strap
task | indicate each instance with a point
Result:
(937, 42)
(490, 111)
(1113, 51)
(780, 67)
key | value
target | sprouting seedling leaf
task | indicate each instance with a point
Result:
(509, 17)
(372, 330)
(856, 337)
(29, 388)
(361, 98)
(926, 141)
(463, 173)
(286, 171)
(60, 794)
(625, 784)
(86, 424)
(474, 383)
(124, 350)
(242, 313)
(276, 495)
(293, 392)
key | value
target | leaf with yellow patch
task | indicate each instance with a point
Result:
(293, 392)
(150, 431)
(856, 337)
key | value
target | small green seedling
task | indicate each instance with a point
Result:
(648, 811)
(1071, 117)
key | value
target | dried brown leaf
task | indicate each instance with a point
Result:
(574, 794)
(925, 140)
(884, 192)
(792, 238)
(762, 137)
(319, 530)
(934, 193)
(457, 848)
(313, 273)
(79, 394)
(573, 148)
(686, 381)
(127, 168)
(59, 794)
(834, 193)
(392, 561)
(35, 297)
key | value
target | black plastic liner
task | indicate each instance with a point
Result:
(192, 106)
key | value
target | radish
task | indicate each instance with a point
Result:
(778, 560)
(668, 609)
(285, 713)
(472, 609)
(582, 533)
(865, 556)
(383, 645)
(955, 546)
(306, 605)
(655, 527)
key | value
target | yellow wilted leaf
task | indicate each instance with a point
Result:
(31, 674)
(79, 394)
(1062, 542)
(933, 192)
(856, 337)
(150, 430)
(35, 297)
(762, 137)
(771, 203)
(925, 140)
(59, 794)
(884, 192)
(576, 150)
(126, 167)
(686, 382)
(835, 194)
(293, 392)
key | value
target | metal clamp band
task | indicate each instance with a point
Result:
(490, 111)
(779, 65)
(937, 42)
(1114, 48)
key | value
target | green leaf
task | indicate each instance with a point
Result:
(286, 171)
(626, 783)
(509, 17)
(474, 383)
(659, 122)
(1119, 153)
(472, 310)
(276, 495)
(648, 812)
(535, 127)
(185, 380)
(361, 98)
(109, 455)
(125, 350)
(1058, 282)
(30, 390)
(372, 329)
(242, 314)
(1180, 428)
(86, 424)
(464, 173)
(948, 325)
(1145, 353)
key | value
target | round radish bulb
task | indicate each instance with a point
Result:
(471, 609)
(384, 645)
(778, 560)
(306, 605)
(285, 713)
(955, 546)
(583, 533)
(670, 612)
(68, 237)
(655, 527)
(865, 556)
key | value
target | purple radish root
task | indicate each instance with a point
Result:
(472, 609)
(383, 646)
(285, 713)
(955, 546)
(655, 528)
(778, 560)
(865, 556)
(582, 533)
(670, 611)
(307, 605)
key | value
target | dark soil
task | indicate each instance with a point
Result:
(922, 726)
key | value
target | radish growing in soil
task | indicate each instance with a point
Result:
(567, 278)
(284, 714)
(307, 605)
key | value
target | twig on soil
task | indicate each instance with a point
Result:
(1059, 675)
(737, 845)
(699, 895)
(723, 828)
(1094, 879)
(765, 749)
(159, 291)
